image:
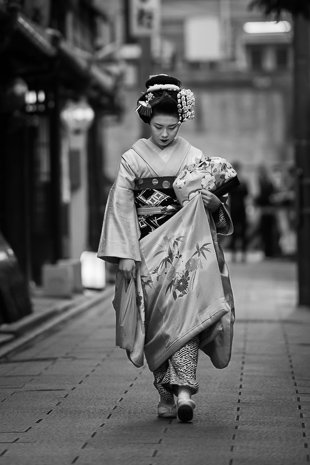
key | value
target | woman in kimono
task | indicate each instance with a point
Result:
(162, 230)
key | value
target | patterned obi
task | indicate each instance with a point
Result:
(155, 201)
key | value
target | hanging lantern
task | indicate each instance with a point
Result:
(14, 94)
(77, 116)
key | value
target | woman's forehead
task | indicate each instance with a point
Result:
(164, 119)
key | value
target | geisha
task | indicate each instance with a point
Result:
(164, 234)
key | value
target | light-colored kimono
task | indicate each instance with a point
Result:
(181, 268)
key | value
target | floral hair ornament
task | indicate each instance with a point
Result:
(186, 105)
(144, 106)
(157, 86)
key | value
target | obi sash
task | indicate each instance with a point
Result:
(155, 201)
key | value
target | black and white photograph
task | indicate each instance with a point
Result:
(154, 232)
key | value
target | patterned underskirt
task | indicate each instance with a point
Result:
(179, 370)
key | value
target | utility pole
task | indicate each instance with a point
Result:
(300, 13)
(302, 152)
(145, 69)
(144, 20)
(56, 201)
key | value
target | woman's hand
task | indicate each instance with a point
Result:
(211, 201)
(128, 267)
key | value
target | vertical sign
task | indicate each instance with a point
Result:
(144, 17)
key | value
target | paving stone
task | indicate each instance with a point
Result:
(25, 400)
(38, 454)
(8, 438)
(178, 454)
(15, 382)
(18, 421)
(274, 453)
(6, 368)
(116, 455)
(248, 434)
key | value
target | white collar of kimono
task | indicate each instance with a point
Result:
(170, 163)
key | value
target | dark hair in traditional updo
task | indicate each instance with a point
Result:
(157, 100)
(164, 104)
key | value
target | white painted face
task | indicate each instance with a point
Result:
(164, 129)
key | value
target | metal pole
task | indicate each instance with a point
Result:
(56, 176)
(302, 153)
(145, 69)
(26, 202)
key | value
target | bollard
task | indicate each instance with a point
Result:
(58, 280)
(76, 266)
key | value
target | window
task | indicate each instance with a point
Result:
(268, 57)
(282, 57)
(256, 57)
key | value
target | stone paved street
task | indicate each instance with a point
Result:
(71, 396)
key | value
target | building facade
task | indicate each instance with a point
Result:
(239, 64)
(240, 69)
(60, 79)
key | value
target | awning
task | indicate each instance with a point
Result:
(21, 30)
(95, 76)
(33, 35)
(26, 34)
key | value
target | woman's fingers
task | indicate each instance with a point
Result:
(206, 196)
(130, 274)
(210, 200)
(127, 275)
(128, 268)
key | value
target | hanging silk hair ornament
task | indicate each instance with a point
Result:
(144, 108)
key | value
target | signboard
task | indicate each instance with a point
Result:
(202, 39)
(144, 17)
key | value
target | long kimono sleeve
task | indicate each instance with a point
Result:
(120, 230)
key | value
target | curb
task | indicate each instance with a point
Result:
(43, 323)
(28, 322)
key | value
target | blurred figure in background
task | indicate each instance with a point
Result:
(238, 204)
(268, 230)
(284, 199)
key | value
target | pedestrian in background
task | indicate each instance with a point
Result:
(268, 229)
(172, 253)
(238, 213)
(284, 200)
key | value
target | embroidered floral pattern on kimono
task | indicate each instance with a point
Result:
(179, 273)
